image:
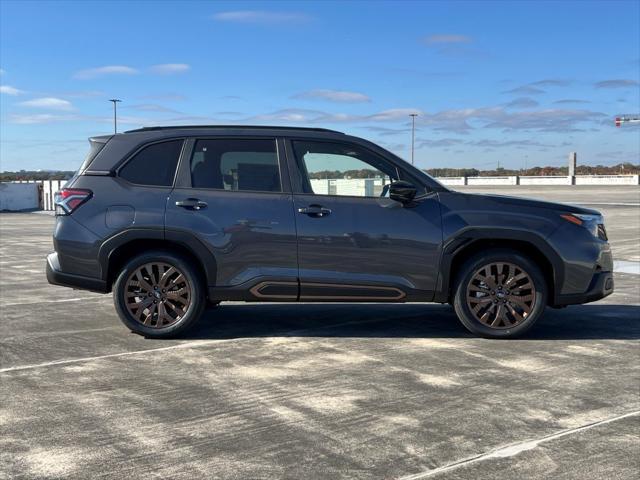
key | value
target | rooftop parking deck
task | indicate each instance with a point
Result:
(317, 391)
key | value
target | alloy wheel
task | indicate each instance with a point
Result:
(157, 295)
(501, 295)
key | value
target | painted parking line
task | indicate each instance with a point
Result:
(626, 266)
(612, 204)
(516, 448)
(186, 344)
(62, 300)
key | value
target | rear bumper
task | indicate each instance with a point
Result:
(601, 286)
(57, 277)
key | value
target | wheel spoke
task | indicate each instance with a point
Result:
(518, 318)
(176, 294)
(514, 280)
(179, 311)
(179, 279)
(143, 283)
(165, 276)
(149, 318)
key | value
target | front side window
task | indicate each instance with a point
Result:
(154, 164)
(342, 169)
(236, 164)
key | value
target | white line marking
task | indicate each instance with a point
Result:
(612, 204)
(111, 355)
(626, 266)
(514, 449)
(187, 344)
(63, 300)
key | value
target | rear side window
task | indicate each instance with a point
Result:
(94, 150)
(236, 164)
(154, 164)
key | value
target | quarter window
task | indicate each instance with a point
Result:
(153, 165)
(236, 164)
(342, 169)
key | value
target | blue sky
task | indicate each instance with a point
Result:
(510, 82)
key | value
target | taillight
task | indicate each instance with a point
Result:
(68, 199)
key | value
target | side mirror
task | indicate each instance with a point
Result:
(402, 191)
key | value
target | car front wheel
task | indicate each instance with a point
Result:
(159, 294)
(500, 294)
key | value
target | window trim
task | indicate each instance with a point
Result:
(131, 156)
(185, 180)
(294, 162)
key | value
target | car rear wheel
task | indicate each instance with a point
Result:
(500, 294)
(159, 294)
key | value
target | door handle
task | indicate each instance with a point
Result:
(191, 204)
(315, 211)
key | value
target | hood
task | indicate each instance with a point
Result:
(534, 203)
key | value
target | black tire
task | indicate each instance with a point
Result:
(504, 328)
(174, 326)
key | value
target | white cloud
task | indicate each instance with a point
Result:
(50, 103)
(552, 82)
(9, 90)
(106, 70)
(446, 39)
(394, 114)
(522, 102)
(261, 16)
(152, 107)
(525, 90)
(571, 100)
(618, 83)
(169, 68)
(335, 96)
(40, 118)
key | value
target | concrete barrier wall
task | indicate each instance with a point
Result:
(452, 180)
(540, 180)
(551, 180)
(48, 190)
(511, 180)
(607, 180)
(16, 197)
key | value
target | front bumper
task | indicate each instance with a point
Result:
(601, 286)
(57, 277)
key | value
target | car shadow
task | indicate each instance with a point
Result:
(227, 321)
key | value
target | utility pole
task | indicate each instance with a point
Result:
(115, 114)
(413, 134)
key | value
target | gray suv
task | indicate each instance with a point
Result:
(173, 218)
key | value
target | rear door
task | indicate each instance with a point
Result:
(234, 195)
(354, 243)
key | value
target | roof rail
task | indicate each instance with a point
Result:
(249, 127)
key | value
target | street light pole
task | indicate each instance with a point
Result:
(413, 134)
(115, 114)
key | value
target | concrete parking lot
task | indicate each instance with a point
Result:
(318, 391)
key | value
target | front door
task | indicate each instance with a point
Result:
(231, 193)
(354, 243)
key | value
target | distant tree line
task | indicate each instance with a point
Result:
(621, 168)
(35, 175)
(363, 173)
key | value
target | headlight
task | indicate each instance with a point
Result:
(593, 223)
